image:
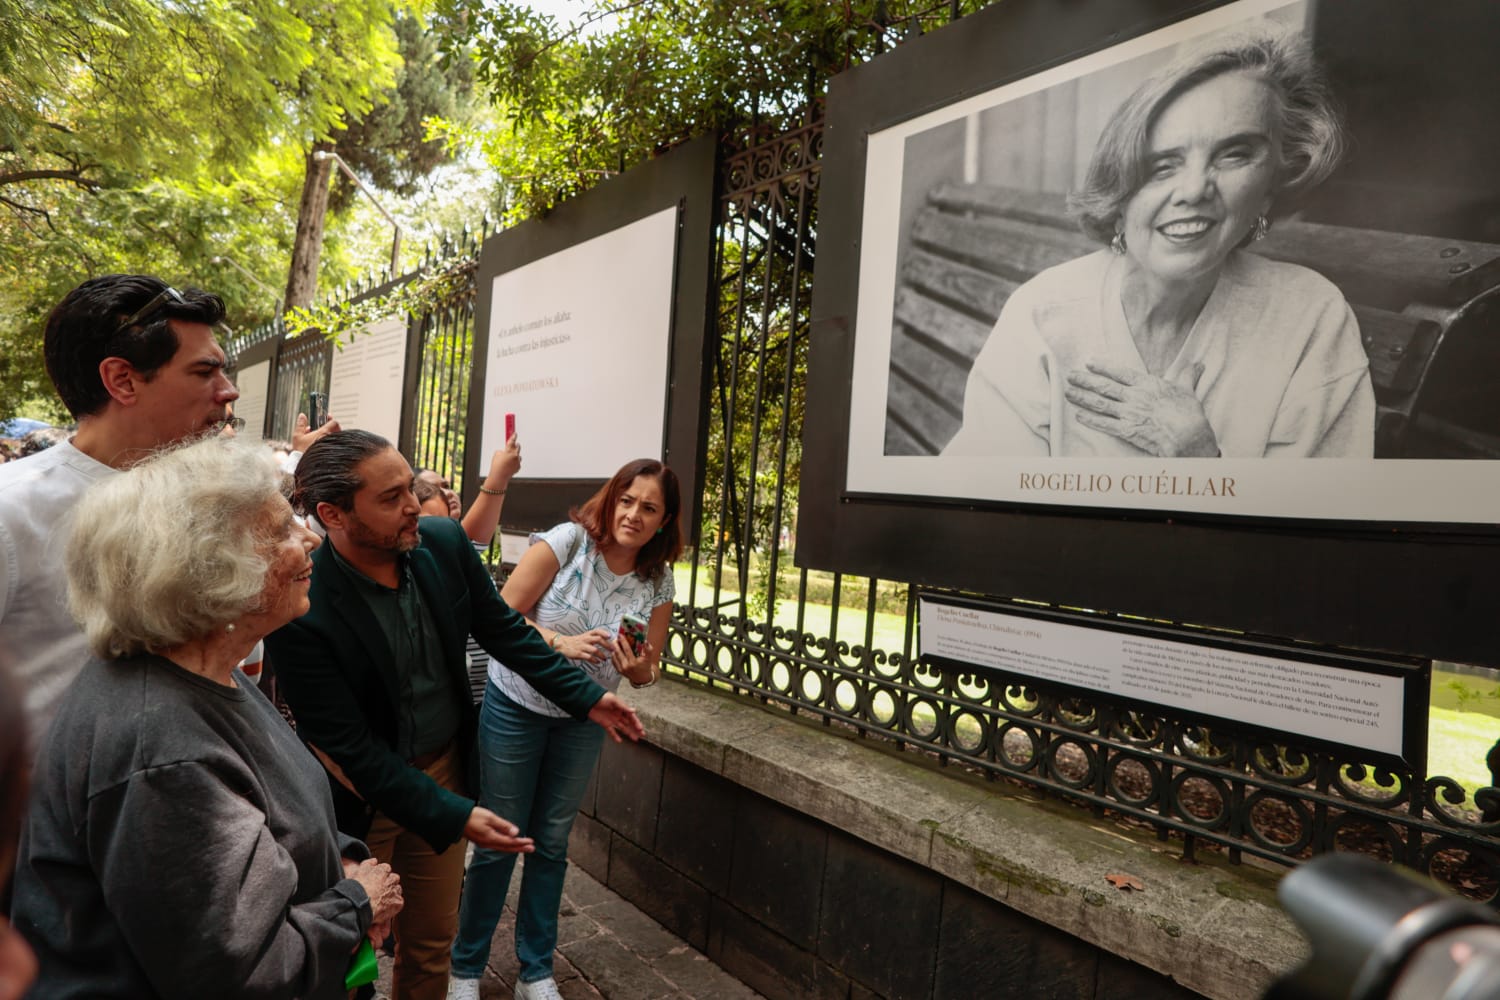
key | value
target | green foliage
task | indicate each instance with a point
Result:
(142, 136)
(851, 594)
(1471, 698)
(574, 103)
(577, 102)
(390, 144)
(428, 290)
(94, 90)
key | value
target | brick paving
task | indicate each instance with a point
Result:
(606, 949)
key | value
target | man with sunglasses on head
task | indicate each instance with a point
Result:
(136, 364)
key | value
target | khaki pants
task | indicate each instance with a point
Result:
(430, 884)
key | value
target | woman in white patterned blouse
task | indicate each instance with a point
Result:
(576, 585)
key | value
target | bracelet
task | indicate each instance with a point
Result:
(494, 493)
(655, 676)
(552, 642)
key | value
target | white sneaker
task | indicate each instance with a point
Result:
(463, 989)
(542, 989)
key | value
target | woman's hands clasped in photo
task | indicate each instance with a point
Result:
(1158, 416)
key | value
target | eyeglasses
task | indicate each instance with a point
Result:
(165, 296)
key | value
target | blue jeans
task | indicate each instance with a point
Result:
(533, 770)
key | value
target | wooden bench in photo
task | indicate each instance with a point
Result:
(1426, 308)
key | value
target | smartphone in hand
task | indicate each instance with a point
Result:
(633, 627)
(317, 409)
(510, 426)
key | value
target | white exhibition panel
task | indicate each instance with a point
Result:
(364, 388)
(1360, 489)
(254, 384)
(579, 350)
(513, 546)
(1338, 704)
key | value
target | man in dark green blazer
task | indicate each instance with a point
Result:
(376, 677)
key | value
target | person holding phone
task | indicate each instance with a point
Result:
(581, 584)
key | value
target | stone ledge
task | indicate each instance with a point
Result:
(1212, 926)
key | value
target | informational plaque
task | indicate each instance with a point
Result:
(579, 346)
(254, 383)
(364, 388)
(1368, 704)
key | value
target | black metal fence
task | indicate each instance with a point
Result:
(843, 649)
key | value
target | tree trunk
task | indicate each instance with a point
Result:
(307, 248)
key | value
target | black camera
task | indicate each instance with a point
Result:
(1381, 932)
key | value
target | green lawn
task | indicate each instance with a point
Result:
(1463, 723)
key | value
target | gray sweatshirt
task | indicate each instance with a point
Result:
(180, 843)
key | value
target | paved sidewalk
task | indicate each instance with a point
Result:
(606, 948)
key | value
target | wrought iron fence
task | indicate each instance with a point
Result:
(446, 338)
(302, 367)
(433, 437)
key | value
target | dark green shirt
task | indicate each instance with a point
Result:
(428, 715)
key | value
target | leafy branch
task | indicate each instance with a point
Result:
(429, 290)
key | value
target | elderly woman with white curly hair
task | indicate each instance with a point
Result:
(180, 840)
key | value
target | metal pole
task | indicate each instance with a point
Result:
(325, 154)
(251, 275)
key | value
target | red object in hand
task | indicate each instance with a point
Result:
(510, 426)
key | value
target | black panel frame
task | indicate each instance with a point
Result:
(266, 350)
(1424, 590)
(684, 177)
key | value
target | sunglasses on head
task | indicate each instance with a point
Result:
(168, 295)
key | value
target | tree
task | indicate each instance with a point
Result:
(98, 93)
(139, 135)
(576, 104)
(388, 144)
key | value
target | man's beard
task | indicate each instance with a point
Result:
(363, 535)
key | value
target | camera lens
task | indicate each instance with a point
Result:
(1382, 932)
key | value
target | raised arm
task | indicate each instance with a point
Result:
(483, 516)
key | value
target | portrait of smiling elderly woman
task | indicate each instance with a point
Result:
(1171, 340)
(180, 840)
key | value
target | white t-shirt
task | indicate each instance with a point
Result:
(40, 644)
(583, 595)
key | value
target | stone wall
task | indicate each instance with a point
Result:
(811, 865)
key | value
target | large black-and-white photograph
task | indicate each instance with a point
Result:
(1257, 249)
